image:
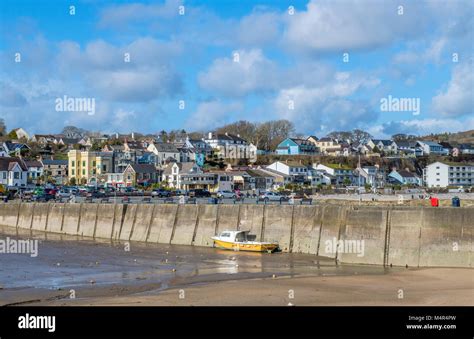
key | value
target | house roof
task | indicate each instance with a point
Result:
(300, 141)
(406, 174)
(165, 147)
(184, 167)
(7, 163)
(33, 163)
(326, 139)
(143, 168)
(12, 146)
(258, 173)
(384, 142)
(56, 162)
(430, 143)
(466, 146)
(70, 141)
(274, 173)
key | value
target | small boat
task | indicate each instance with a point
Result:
(239, 241)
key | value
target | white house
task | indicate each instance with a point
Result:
(13, 172)
(384, 145)
(444, 174)
(431, 147)
(231, 146)
(342, 173)
(21, 133)
(173, 173)
(298, 172)
(35, 169)
(164, 152)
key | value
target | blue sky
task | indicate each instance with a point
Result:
(230, 60)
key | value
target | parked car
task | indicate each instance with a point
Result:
(160, 193)
(43, 197)
(63, 193)
(96, 194)
(226, 195)
(272, 196)
(180, 192)
(199, 193)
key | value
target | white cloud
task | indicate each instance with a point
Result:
(121, 15)
(252, 73)
(458, 98)
(211, 114)
(259, 28)
(328, 26)
(327, 106)
(149, 75)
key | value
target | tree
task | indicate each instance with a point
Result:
(346, 181)
(96, 147)
(402, 136)
(12, 135)
(360, 136)
(73, 132)
(340, 135)
(3, 128)
(72, 181)
(163, 136)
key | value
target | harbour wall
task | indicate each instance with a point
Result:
(383, 235)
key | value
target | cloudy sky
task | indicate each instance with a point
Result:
(153, 65)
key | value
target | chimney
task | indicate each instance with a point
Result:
(209, 135)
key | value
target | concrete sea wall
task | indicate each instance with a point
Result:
(385, 235)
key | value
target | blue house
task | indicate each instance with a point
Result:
(296, 146)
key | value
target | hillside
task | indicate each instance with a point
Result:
(466, 137)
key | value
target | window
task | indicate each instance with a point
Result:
(83, 163)
(73, 163)
(83, 172)
(93, 163)
(16, 175)
(73, 172)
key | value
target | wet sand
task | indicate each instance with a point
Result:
(107, 273)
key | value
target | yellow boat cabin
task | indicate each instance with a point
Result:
(239, 241)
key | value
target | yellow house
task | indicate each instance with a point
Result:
(88, 167)
(329, 146)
